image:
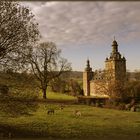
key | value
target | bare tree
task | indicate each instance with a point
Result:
(47, 64)
(113, 88)
(18, 31)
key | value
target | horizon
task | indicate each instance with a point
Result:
(86, 30)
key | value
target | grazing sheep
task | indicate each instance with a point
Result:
(50, 111)
(133, 109)
(127, 107)
(61, 107)
(77, 113)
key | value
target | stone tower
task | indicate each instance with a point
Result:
(87, 76)
(115, 65)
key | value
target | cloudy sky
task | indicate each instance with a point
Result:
(86, 30)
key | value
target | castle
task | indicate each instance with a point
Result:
(115, 70)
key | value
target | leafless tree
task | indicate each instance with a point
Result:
(18, 32)
(113, 88)
(47, 64)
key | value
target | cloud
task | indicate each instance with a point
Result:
(87, 22)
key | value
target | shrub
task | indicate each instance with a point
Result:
(4, 90)
(25, 94)
(20, 102)
(14, 107)
(121, 106)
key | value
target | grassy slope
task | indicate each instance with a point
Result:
(58, 96)
(94, 122)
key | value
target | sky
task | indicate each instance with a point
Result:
(86, 30)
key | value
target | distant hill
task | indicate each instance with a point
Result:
(15, 79)
(134, 75)
(131, 75)
(76, 74)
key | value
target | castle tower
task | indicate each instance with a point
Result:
(115, 65)
(87, 76)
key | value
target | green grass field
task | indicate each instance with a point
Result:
(93, 123)
(58, 96)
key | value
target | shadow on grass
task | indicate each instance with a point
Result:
(23, 134)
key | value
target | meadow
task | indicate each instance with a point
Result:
(93, 123)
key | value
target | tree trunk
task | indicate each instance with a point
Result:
(44, 93)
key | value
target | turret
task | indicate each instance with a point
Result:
(88, 68)
(87, 76)
(114, 46)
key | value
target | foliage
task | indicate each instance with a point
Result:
(25, 94)
(4, 89)
(75, 88)
(16, 106)
(59, 85)
(132, 89)
(18, 33)
(117, 91)
(22, 94)
(124, 94)
(66, 85)
(18, 81)
(137, 75)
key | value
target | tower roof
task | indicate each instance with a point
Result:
(88, 68)
(114, 55)
(88, 63)
(114, 43)
(114, 46)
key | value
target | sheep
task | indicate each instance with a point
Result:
(77, 113)
(50, 111)
(61, 107)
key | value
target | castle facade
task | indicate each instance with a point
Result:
(96, 83)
